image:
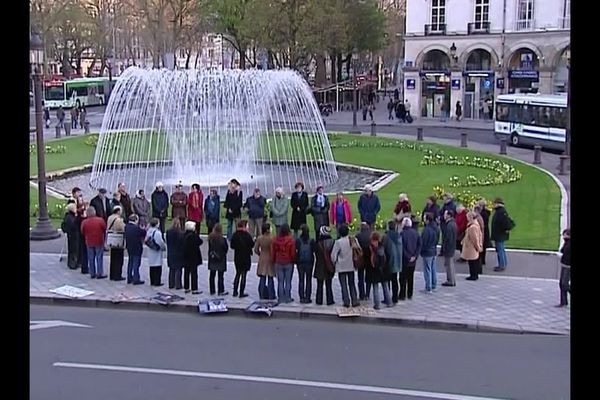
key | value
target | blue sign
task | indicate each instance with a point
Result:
(411, 84)
(455, 84)
(500, 83)
(487, 84)
(523, 74)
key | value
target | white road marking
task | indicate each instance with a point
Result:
(34, 325)
(281, 381)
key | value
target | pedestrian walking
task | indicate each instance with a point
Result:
(212, 210)
(390, 107)
(195, 205)
(368, 206)
(342, 259)
(47, 116)
(502, 224)
(175, 257)
(60, 116)
(265, 268)
(141, 207)
(324, 268)
(160, 205)
(305, 261)
(320, 209)
(429, 240)
(82, 116)
(392, 243)
(116, 225)
(340, 212)
(70, 228)
(279, 209)
(192, 257)
(407, 110)
(471, 246)
(411, 248)
(217, 260)
(363, 237)
(283, 254)
(449, 247)
(233, 205)
(156, 245)
(299, 204)
(179, 204)
(376, 266)
(242, 244)
(255, 206)
(565, 269)
(93, 230)
(370, 108)
(74, 118)
(134, 238)
(458, 111)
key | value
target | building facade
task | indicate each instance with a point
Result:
(473, 50)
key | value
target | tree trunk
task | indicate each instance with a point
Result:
(333, 59)
(187, 59)
(242, 52)
(339, 60)
(91, 68)
(198, 56)
(321, 73)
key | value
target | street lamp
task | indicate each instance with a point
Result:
(354, 92)
(568, 133)
(453, 52)
(43, 229)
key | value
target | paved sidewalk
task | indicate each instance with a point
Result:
(509, 304)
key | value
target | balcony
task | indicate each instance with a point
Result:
(525, 25)
(476, 28)
(435, 29)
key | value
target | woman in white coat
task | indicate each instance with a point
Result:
(156, 245)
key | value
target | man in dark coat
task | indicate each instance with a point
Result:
(255, 205)
(368, 206)
(179, 203)
(71, 229)
(175, 260)
(565, 269)
(125, 201)
(101, 204)
(233, 206)
(502, 224)
(299, 204)
(448, 205)
(449, 247)
(432, 207)
(411, 248)
(212, 210)
(320, 209)
(242, 245)
(485, 215)
(364, 238)
(134, 239)
(160, 205)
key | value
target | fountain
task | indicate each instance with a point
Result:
(209, 126)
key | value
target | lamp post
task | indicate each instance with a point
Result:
(453, 53)
(354, 92)
(568, 133)
(43, 229)
(110, 61)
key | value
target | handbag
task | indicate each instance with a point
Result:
(115, 240)
(357, 253)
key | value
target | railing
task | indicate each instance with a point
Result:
(435, 29)
(525, 25)
(474, 28)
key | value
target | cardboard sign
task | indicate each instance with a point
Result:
(262, 307)
(211, 306)
(71, 291)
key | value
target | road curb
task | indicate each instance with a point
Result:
(416, 322)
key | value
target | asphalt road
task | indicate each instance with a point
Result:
(158, 355)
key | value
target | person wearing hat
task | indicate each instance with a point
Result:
(320, 209)
(141, 207)
(101, 204)
(160, 205)
(233, 206)
(179, 204)
(299, 204)
(368, 206)
(502, 224)
(324, 269)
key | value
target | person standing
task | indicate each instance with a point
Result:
(432, 207)
(502, 224)
(80, 205)
(93, 230)
(340, 213)
(283, 253)
(116, 224)
(125, 200)
(82, 116)
(299, 204)
(485, 215)
(70, 228)
(242, 244)
(376, 265)
(265, 268)
(392, 243)
(195, 204)
(212, 211)
(479, 220)
(324, 269)
(411, 248)
(60, 116)
(429, 240)
(134, 238)
(370, 109)
(403, 207)
(175, 259)
(179, 204)
(47, 116)
(305, 260)
(461, 228)
(156, 245)
(255, 205)
(364, 238)
(115, 202)
(74, 118)
(233, 205)
(448, 204)
(320, 209)
(141, 207)
(390, 107)
(217, 260)
(458, 111)
(341, 257)
(160, 204)
(368, 206)
(449, 247)
(565, 269)
(279, 209)
(471, 246)
(101, 204)
(192, 257)
(407, 107)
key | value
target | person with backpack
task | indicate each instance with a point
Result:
(376, 265)
(392, 242)
(192, 257)
(502, 224)
(345, 253)
(134, 239)
(265, 268)
(305, 260)
(217, 260)
(565, 270)
(156, 245)
(242, 244)
(324, 269)
(175, 259)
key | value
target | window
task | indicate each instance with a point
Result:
(438, 15)
(524, 14)
(482, 13)
(543, 116)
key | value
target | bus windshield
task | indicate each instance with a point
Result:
(54, 93)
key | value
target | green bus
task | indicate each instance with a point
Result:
(77, 92)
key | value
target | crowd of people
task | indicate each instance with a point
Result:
(382, 262)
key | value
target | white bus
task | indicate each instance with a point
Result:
(532, 119)
(76, 92)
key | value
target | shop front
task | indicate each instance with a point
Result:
(435, 94)
(478, 94)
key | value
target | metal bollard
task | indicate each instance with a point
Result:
(537, 154)
(373, 125)
(419, 134)
(562, 168)
(86, 126)
(68, 129)
(57, 128)
(503, 146)
(463, 139)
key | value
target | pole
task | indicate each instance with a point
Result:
(568, 132)
(354, 101)
(43, 229)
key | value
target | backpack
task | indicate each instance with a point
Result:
(304, 252)
(151, 243)
(357, 254)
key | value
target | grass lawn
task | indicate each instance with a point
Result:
(533, 201)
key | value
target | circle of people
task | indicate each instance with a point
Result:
(385, 260)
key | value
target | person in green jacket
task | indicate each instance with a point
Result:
(279, 209)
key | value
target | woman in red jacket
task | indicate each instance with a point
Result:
(461, 228)
(283, 255)
(194, 206)
(340, 213)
